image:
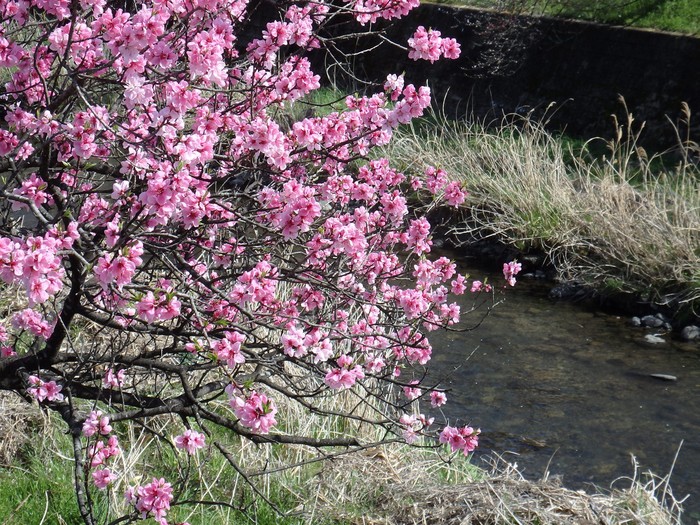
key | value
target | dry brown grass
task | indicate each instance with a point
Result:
(397, 489)
(20, 423)
(611, 222)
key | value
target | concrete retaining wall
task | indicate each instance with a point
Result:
(514, 64)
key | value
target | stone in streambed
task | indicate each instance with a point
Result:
(652, 321)
(654, 339)
(664, 377)
(690, 333)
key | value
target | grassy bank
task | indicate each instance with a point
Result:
(682, 16)
(390, 484)
(621, 222)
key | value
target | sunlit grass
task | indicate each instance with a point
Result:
(624, 218)
(681, 16)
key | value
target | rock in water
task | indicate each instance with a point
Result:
(664, 377)
(652, 321)
(691, 332)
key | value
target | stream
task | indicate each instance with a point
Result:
(554, 386)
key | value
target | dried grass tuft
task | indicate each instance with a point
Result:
(20, 423)
(617, 222)
(396, 490)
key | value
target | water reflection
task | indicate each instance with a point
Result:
(570, 390)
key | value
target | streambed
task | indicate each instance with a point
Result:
(559, 387)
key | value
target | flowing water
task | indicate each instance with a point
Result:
(556, 387)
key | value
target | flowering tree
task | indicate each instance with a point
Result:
(155, 195)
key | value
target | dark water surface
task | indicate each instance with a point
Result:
(555, 386)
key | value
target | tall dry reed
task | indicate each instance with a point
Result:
(620, 221)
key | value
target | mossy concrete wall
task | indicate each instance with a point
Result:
(574, 72)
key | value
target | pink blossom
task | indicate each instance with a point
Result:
(372, 10)
(44, 391)
(102, 451)
(478, 286)
(429, 45)
(7, 351)
(255, 411)
(153, 498)
(95, 423)
(8, 142)
(346, 375)
(103, 477)
(425, 45)
(394, 85)
(435, 179)
(450, 48)
(465, 438)
(413, 425)
(375, 364)
(91, 424)
(418, 236)
(229, 348)
(293, 342)
(190, 440)
(458, 286)
(510, 270)
(437, 399)
(112, 379)
(412, 392)
(454, 194)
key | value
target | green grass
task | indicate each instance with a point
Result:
(681, 16)
(389, 484)
(38, 486)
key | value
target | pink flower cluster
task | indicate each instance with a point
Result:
(190, 441)
(430, 45)
(437, 398)
(153, 498)
(345, 375)
(478, 286)
(296, 342)
(437, 183)
(103, 477)
(465, 439)
(113, 379)
(226, 349)
(32, 321)
(161, 306)
(510, 270)
(254, 410)
(413, 425)
(412, 392)
(95, 423)
(44, 390)
(36, 263)
(100, 453)
(292, 210)
(119, 269)
(372, 10)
